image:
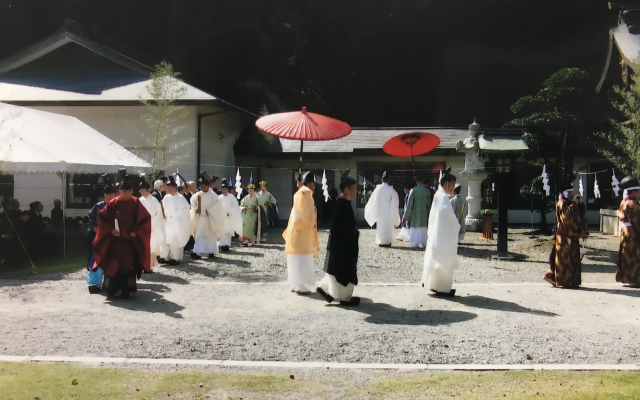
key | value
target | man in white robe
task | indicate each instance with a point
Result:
(231, 217)
(207, 222)
(382, 208)
(177, 222)
(441, 255)
(158, 245)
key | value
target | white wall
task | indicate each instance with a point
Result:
(216, 155)
(122, 124)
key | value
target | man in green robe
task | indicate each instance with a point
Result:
(417, 213)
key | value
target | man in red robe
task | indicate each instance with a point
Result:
(121, 247)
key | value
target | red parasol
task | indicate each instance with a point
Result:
(303, 125)
(411, 144)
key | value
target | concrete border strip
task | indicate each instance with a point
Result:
(326, 365)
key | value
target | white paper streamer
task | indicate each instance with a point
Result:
(325, 187)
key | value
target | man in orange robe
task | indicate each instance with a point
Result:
(629, 255)
(301, 237)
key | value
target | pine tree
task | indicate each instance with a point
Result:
(623, 141)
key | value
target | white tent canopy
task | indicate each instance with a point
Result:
(33, 141)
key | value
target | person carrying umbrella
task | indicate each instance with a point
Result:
(301, 237)
(382, 208)
(341, 261)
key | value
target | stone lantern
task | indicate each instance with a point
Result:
(474, 173)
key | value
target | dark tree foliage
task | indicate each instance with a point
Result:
(559, 117)
(535, 194)
(368, 62)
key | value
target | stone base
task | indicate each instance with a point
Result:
(473, 225)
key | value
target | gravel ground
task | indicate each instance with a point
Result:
(486, 324)
(399, 264)
(505, 314)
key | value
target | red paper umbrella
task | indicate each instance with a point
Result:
(303, 125)
(411, 144)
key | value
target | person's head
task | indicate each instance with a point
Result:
(57, 203)
(143, 188)
(309, 180)
(214, 182)
(25, 216)
(126, 188)
(16, 204)
(204, 181)
(418, 180)
(7, 206)
(568, 193)
(330, 184)
(36, 206)
(232, 190)
(159, 185)
(349, 187)
(385, 178)
(457, 188)
(204, 186)
(181, 189)
(263, 186)
(407, 187)
(577, 199)
(172, 186)
(448, 181)
(252, 189)
(631, 185)
(191, 186)
(224, 187)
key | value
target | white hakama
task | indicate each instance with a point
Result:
(334, 289)
(177, 226)
(418, 236)
(441, 255)
(403, 235)
(205, 246)
(300, 270)
(225, 240)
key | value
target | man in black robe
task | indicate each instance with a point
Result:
(342, 250)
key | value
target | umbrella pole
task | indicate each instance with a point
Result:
(300, 163)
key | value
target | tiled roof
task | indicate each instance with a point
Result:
(373, 138)
(628, 44)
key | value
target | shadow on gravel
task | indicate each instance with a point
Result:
(632, 292)
(599, 268)
(149, 299)
(488, 303)
(385, 314)
(245, 253)
(157, 277)
(477, 253)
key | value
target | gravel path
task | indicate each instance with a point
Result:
(400, 263)
(487, 324)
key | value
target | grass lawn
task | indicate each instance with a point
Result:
(46, 265)
(55, 381)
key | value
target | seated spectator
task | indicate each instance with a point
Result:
(56, 213)
(15, 212)
(47, 241)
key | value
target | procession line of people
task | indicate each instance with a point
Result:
(128, 236)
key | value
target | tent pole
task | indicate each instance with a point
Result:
(64, 217)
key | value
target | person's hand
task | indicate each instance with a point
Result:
(133, 234)
(198, 211)
(115, 232)
(206, 212)
(95, 229)
(228, 215)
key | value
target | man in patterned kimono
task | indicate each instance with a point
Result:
(417, 213)
(565, 269)
(629, 255)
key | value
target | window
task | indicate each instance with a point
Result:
(83, 190)
(6, 188)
